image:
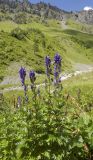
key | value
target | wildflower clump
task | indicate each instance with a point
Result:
(57, 68)
(48, 66)
(22, 73)
(52, 125)
(32, 76)
(32, 79)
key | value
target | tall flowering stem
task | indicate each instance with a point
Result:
(57, 68)
(48, 66)
(57, 85)
(32, 77)
(22, 73)
(33, 86)
(48, 69)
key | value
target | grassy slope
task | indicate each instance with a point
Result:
(80, 26)
(72, 45)
(80, 81)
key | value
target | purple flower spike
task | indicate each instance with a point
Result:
(48, 65)
(22, 73)
(47, 61)
(56, 74)
(57, 67)
(32, 76)
(57, 59)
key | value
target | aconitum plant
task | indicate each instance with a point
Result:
(48, 71)
(57, 67)
(22, 73)
(32, 76)
(48, 66)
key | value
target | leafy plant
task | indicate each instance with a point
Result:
(18, 33)
(50, 125)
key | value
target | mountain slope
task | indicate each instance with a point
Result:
(30, 43)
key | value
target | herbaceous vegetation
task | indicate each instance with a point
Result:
(46, 122)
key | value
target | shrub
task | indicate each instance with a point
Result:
(20, 18)
(18, 33)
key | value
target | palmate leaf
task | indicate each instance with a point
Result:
(78, 145)
(46, 155)
(51, 138)
(4, 143)
(18, 149)
(84, 118)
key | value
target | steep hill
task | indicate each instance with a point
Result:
(30, 43)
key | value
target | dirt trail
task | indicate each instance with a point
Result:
(80, 69)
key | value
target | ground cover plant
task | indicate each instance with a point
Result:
(48, 123)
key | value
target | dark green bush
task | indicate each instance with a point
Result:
(18, 33)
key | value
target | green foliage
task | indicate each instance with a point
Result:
(18, 33)
(57, 129)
